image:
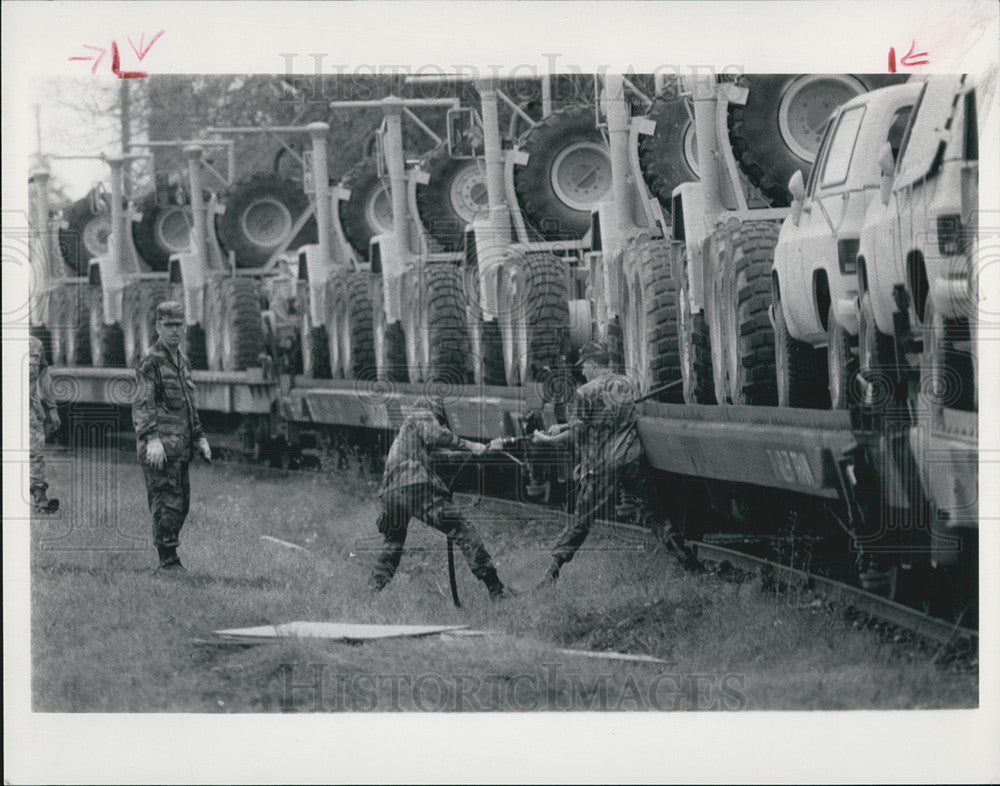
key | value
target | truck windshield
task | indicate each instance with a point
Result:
(838, 159)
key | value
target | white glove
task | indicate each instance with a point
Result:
(204, 449)
(496, 444)
(155, 454)
(478, 448)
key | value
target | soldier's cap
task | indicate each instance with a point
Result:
(595, 352)
(430, 404)
(170, 309)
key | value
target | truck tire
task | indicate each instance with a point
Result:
(649, 317)
(534, 317)
(260, 212)
(568, 173)
(163, 230)
(693, 342)
(368, 211)
(876, 358)
(139, 317)
(669, 156)
(447, 338)
(746, 335)
(85, 235)
(779, 128)
(947, 373)
(242, 330)
(107, 344)
(799, 368)
(349, 324)
(841, 365)
(452, 197)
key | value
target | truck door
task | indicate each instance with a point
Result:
(823, 202)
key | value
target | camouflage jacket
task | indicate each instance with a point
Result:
(602, 417)
(409, 461)
(38, 400)
(164, 405)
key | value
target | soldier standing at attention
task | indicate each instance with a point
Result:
(602, 429)
(42, 419)
(168, 431)
(412, 488)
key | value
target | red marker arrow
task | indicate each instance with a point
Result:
(910, 59)
(99, 58)
(142, 51)
(116, 66)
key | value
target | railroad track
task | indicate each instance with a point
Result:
(940, 631)
(943, 632)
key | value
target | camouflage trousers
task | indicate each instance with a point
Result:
(422, 501)
(168, 491)
(595, 499)
(36, 434)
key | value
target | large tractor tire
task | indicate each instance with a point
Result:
(567, 175)
(649, 317)
(669, 156)
(841, 364)
(139, 317)
(349, 325)
(107, 342)
(452, 197)
(86, 233)
(163, 230)
(368, 212)
(744, 353)
(693, 344)
(260, 212)
(533, 316)
(778, 130)
(437, 340)
(235, 334)
(69, 326)
(800, 368)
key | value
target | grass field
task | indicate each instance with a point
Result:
(111, 635)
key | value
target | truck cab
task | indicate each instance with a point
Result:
(919, 233)
(814, 276)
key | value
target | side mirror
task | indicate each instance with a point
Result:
(887, 168)
(797, 188)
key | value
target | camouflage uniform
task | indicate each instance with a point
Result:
(38, 418)
(606, 442)
(411, 488)
(165, 410)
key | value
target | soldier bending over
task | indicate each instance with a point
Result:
(412, 488)
(602, 428)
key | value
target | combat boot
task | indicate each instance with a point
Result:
(39, 502)
(496, 587)
(550, 578)
(169, 561)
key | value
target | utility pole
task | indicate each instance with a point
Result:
(125, 103)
